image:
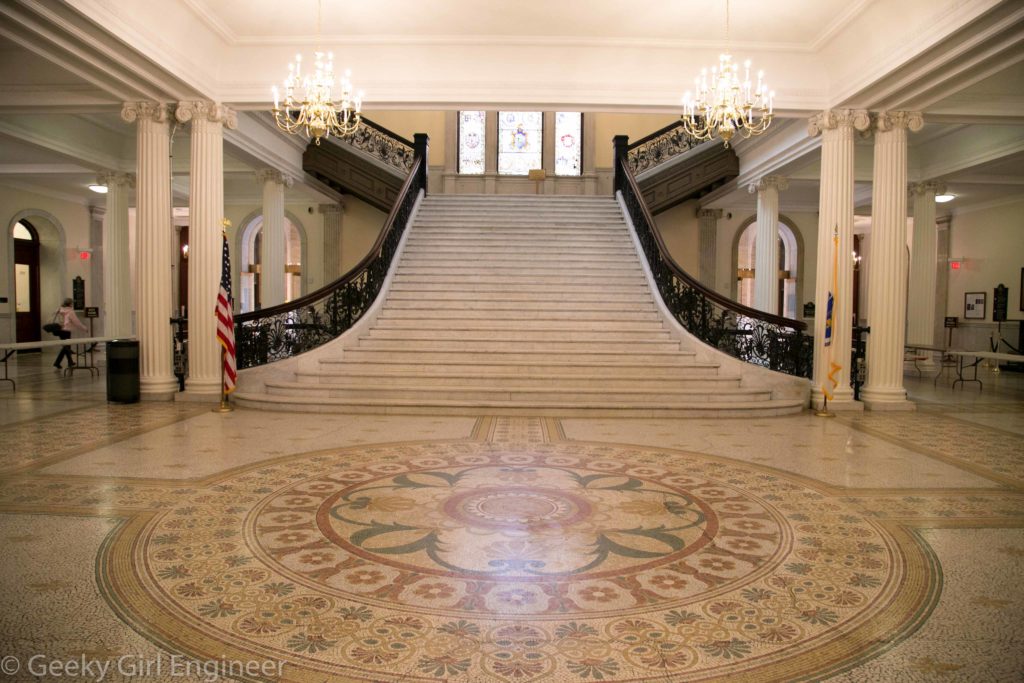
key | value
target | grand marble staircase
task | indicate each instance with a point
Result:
(516, 305)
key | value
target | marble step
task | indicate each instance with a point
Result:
(507, 325)
(519, 237)
(676, 369)
(638, 297)
(568, 269)
(517, 346)
(559, 307)
(691, 409)
(568, 291)
(512, 336)
(537, 251)
(427, 357)
(351, 379)
(459, 280)
(557, 395)
(518, 314)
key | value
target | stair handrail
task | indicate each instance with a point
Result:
(382, 144)
(660, 146)
(294, 327)
(754, 336)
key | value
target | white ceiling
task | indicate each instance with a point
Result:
(65, 69)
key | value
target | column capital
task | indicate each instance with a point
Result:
(97, 213)
(709, 213)
(890, 120)
(272, 175)
(115, 178)
(146, 111)
(204, 109)
(831, 119)
(331, 209)
(779, 182)
(933, 187)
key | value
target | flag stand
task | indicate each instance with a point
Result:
(823, 412)
(224, 406)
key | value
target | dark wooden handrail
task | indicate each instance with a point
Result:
(381, 129)
(678, 271)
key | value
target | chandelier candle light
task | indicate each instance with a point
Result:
(309, 104)
(724, 104)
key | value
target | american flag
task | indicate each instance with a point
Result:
(226, 322)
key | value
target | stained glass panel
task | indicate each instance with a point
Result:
(520, 141)
(471, 142)
(568, 143)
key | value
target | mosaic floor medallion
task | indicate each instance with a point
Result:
(554, 561)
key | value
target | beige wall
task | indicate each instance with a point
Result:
(408, 123)
(636, 126)
(360, 227)
(64, 228)
(991, 244)
(680, 230)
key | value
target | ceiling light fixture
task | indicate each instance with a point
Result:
(943, 198)
(725, 105)
(309, 105)
(100, 189)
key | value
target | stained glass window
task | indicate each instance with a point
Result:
(471, 142)
(520, 141)
(568, 142)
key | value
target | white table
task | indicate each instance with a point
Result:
(978, 356)
(9, 349)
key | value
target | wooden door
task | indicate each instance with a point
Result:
(26, 287)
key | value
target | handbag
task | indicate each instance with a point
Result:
(53, 327)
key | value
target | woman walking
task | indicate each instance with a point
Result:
(66, 318)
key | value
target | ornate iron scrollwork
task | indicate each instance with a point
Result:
(659, 147)
(382, 144)
(298, 326)
(753, 336)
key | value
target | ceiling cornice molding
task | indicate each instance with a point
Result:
(44, 191)
(982, 206)
(43, 169)
(96, 161)
(838, 25)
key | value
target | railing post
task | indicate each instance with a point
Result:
(621, 145)
(420, 147)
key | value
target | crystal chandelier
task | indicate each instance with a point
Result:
(724, 104)
(309, 105)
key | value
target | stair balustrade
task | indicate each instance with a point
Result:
(286, 330)
(751, 335)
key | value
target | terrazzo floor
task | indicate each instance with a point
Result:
(165, 542)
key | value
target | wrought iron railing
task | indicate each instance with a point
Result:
(382, 144)
(286, 330)
(753, 336)
(659, 147)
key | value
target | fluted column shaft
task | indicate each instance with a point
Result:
(153, 247)
(117, 286)
(766, 267)
(206, 216)
(923, 256)
(835, 219)
(887, 295)
(707, 241)
(96, 277)
(273, 245)
(332, 214)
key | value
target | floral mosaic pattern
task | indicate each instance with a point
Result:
(468, 561)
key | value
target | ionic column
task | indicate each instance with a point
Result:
(153, 247)
(887, 275)
(766, 268)
(835, 217)
(206, 216)
(332, 214)
(117, 284)
(96, 215)
(707, 241)
(273, 247)
(923, 258)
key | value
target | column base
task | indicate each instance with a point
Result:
(886, 400)
(841, 402)
(158, 389)
(200, 392)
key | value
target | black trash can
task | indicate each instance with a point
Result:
(123, 371)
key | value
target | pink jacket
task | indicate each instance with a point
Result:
(68, 320)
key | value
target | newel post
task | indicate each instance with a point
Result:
(420, 146)
(621, 144)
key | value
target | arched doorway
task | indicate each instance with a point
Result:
(28, 316)
(250, 260)
(745, 253)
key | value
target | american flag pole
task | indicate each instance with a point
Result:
(225, 326)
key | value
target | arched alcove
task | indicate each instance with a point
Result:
(744, 252)
(247, 255)
(52, 264)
